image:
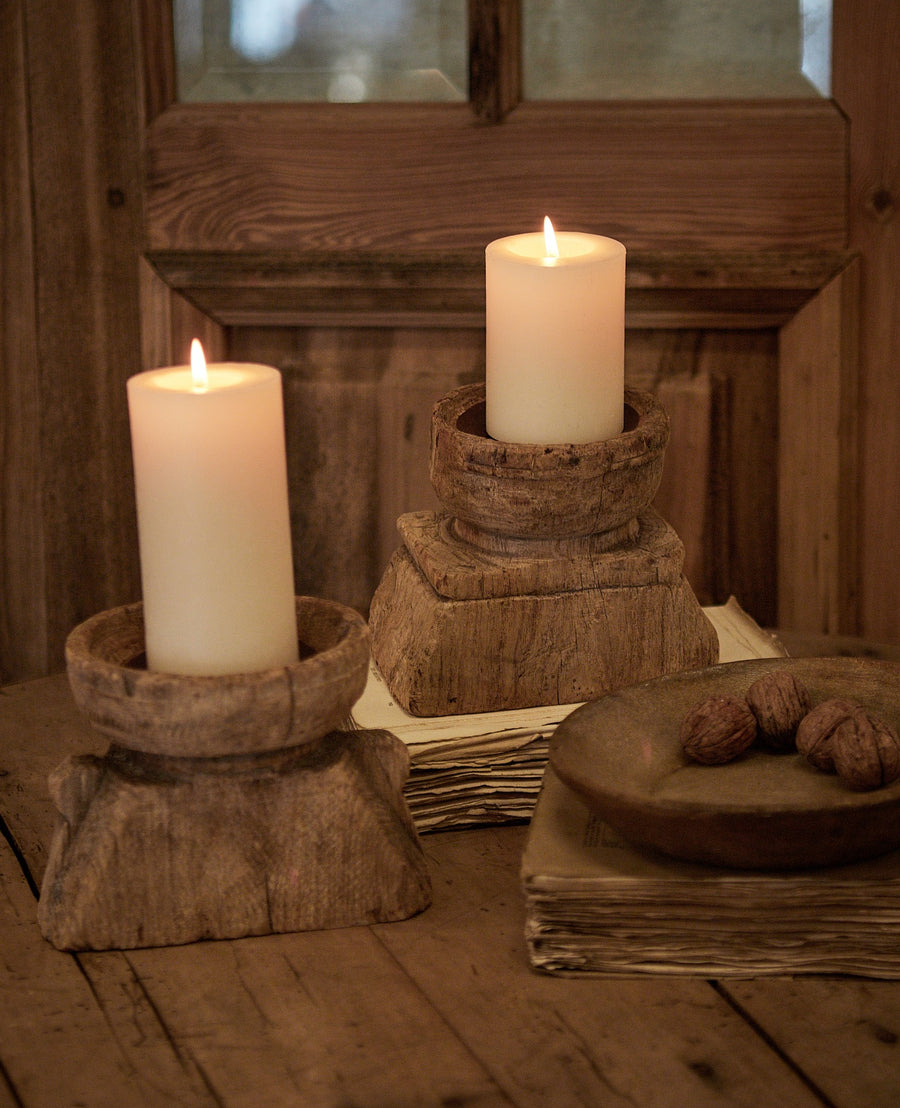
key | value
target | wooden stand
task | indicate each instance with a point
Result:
(548, 579)
(227, 806)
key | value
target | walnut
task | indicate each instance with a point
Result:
(816, 729)
(779, 701)
(866, 751)
(718, 730)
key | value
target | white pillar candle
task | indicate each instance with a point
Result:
(213, 519)
(555, 337)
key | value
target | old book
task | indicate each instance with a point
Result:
(487, 767)
(596, 904)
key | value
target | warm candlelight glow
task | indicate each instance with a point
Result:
(550, 244)
(555, 337)
(214, 535)
(198, 367)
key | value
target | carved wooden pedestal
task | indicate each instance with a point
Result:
(227, 806)
(548, 580)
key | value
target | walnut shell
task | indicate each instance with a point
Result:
(814, 735)
(779, 701)
(866, 751)
(718, 730)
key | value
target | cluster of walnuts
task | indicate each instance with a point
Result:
(837, 736)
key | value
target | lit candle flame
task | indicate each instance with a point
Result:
(198, 367)
(550, 243)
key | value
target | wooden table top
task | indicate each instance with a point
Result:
(442, 1009)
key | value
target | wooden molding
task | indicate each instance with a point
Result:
(421, 179)
(312, 289)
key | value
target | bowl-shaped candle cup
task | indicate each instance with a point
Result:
(545, 491)
(244, 713)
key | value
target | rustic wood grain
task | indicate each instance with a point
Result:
(210, 814)
(853, 1061)
(669, 175)
(37, 985)
(694, 464)
(423, 1011)
(445, 288)
(23, 608)
(866, 85)
(818, 420)
(74, 138)
(169, 322)
(554, 1042)
(444, 656)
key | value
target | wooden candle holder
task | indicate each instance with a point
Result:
(547, 580)
(227, 806)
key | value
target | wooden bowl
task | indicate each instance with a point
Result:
(545, 491)
(622, 754)
(188, 716)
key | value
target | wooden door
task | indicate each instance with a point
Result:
(344, 243)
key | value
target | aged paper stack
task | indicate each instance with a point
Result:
(477, 769)
(596, 904)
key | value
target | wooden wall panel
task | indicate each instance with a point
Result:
(867, 88)
(67, 487)
(428, 180)
(818, 481)
(358, 421)
(23, 632)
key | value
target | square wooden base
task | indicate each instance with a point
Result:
(456, 629)
(157, 851)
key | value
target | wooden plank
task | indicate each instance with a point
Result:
(332, 450)
(737, 556)
(844, 1035)
(309, 288)
(39, 726)
(317, 1019)
(58, 1044)
(86, 204)
(818, 475)
(422, 368)
(866, 83)
(23, 637)
(683, 497)
(423, 178)
(495, 68)
(438, 1007)
(615, 1041)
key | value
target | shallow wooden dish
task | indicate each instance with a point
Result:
(764, 811)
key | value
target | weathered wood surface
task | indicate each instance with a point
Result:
(156, 851)
(768, 175)
(475, 602)
(545, 491)
(226, 806)
(868, 33)
(444, 656)
(69, 332)
(435, 1009)
(819, 416)
(199, 716)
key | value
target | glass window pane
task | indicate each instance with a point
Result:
(639, 49)
(338, 50)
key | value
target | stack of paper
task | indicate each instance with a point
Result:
(487, 768)
(596, 904)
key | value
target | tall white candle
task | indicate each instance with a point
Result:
(555, 337)
(213, 520)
